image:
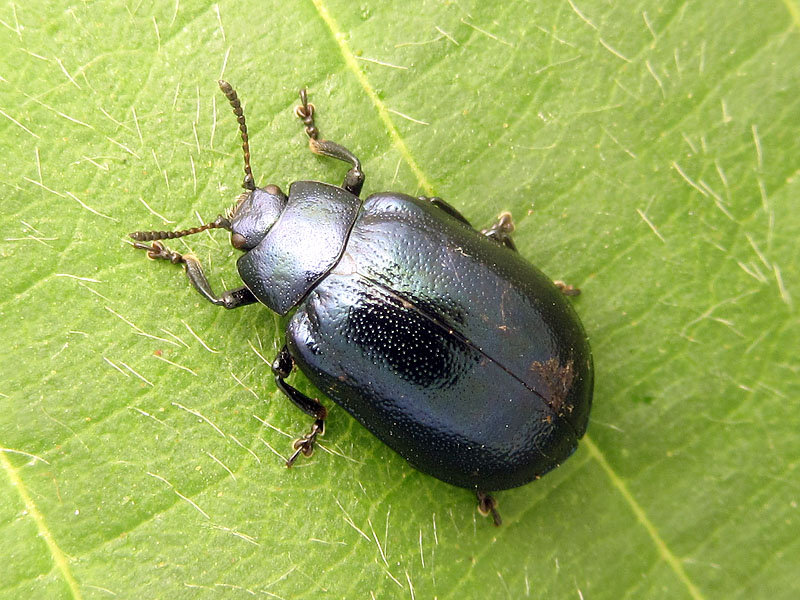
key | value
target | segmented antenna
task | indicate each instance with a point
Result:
(305, 112)
(249, 182)
(149, 236)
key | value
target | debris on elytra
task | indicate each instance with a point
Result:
(557, 380)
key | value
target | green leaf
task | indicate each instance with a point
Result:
(649, 152)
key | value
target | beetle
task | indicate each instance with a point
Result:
(438, 338)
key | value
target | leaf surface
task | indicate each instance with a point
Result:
(649, 153)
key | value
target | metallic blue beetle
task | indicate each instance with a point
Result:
(441, 340)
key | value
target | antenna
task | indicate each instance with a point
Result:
(148, 236)
(230, 94)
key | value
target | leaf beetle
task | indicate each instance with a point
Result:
(438, 338)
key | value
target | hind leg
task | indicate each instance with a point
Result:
(488, 505)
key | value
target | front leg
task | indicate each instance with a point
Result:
(194, 271)
(354, 180)
(282, 367)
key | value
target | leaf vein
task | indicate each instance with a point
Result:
(380, 106)
(59, 558)
(663, 550)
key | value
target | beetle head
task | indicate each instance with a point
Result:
(254, 214)
(255, 211)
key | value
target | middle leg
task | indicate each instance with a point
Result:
(446, 207)
(500, 231)
(282, 367)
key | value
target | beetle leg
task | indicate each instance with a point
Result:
(228, 299)
(488, 505)
(354, 180)
(567, 289)
(501, 230)
(282, 367)
(446, 207)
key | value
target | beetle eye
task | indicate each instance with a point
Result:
(238, 241)
(254, 215)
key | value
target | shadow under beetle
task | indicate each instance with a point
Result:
(441, 340)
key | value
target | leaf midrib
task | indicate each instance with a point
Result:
(661, 547)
